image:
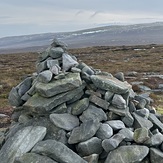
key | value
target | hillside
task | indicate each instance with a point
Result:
(115, 35)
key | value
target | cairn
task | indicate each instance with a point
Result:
(69, 112)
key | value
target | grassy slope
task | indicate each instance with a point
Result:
(13, 67)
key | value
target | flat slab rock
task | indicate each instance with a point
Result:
(22, 142)
(84, 132)
(57, 151)
(65, 121)
(126, 154)
(41, 104)
(70, 82)
(33, 157)
(110, 84)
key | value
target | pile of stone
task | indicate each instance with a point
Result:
(69, 112)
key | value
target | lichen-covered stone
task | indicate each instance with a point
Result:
(84, 132)
(57, 151)
(33, 157)
(22, 142)
(126, 154)
(70, 82)
(65, 121)
(110, 84)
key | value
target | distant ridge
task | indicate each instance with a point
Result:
(114, 35)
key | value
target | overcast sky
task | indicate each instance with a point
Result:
(21, 17)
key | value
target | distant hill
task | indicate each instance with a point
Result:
(115, 35)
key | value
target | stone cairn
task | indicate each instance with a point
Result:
(69, 112)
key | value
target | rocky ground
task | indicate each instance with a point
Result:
(142, 66)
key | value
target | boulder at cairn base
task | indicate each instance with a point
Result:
(33, 157)
(127, 154)
(57, 151)
(22, 142)
(109, 83)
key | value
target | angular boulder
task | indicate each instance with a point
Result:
(126, 154)
(33, 157)
(70, 82)
(65, 121)
(84, 132)
(22, 142)
(110, 84)
(57, 151)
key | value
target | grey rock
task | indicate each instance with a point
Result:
(120, 112)
(65, 121)
(70, 82)
(45, 76)
(32, 90)
(113, 142)
(68, 62)
(120, 76)
(41, 104)
(25, 97)
(51, 63)
(126, 154)
(42, 56)
(41, 66)
(143, 112)
(104, 132)
(132, 107)
(24, 86)
(33, 157)
(155, 140)
(160, 86)
(22, 142)
(84, 132)
(141, 135)
(156, 155)
(55, 52)
(127, 97)
(156, 121)
(79, 106)
(110, 84)
(91, 146)
(141, 104)
(76, 98)
(14, 98)
(61, 75)
(2, 139)
(92, 158)
(128, 133)
(116, 124)
(128, 120)
(112, 116)
(144, 88)
(108, 96)
(57, 151)
(90, 92)
(60, 109)
(99, 102)
(93, 112)
(58, 43)
(119, 102)
(87, 70)
(55, 69)
(75, 70)
(141, 122)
